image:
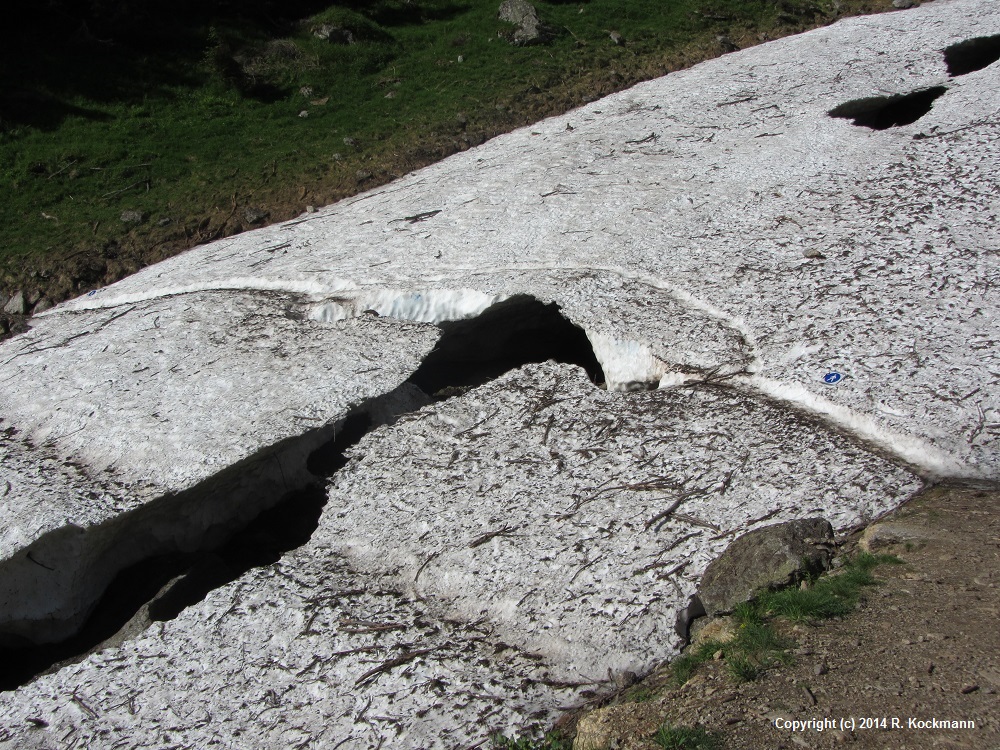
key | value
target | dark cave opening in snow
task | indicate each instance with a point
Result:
(972, 55)
(507, 335)
(884, 112)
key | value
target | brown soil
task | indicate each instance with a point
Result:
(925, 644)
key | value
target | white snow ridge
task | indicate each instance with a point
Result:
(794, 316)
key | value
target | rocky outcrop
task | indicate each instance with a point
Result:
(768, 558)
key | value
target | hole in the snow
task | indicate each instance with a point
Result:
(507, 335)
(169, 584)
(972, 54)
(884, 112)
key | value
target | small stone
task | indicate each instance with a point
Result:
(363, 175)
(348, 141)
(717, 656)
(306, 91)
(43, 304)
(310, 209)
(461, 58)
(595, 731)
(304, 113)
(893, 537)
(820, 669)
(333, 34)
(966, 689)
(726, 43)
(16, 305)
(812, 252)
(391, 95)
(717, 629)
(904, 4)
(930, 667)
(131, 216)
(165, 221)
(253, 215)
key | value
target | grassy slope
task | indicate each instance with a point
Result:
(196, 131)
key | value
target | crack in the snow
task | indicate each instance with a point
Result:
(469, 353)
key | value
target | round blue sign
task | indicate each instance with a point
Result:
(832, 377)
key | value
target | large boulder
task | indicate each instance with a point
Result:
(16, 305)
(766, 558)
(528, 27)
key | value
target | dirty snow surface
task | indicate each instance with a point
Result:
(794, 315)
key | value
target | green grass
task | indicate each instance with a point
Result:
(684, 666)
(758, 645)
(551, 741)
(684, 738)
(192, 124)
(829, 596)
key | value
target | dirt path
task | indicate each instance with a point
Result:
(924, 645)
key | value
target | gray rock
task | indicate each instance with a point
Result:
(893, 536)
(334, 34)
(131, 216)
(770, 557)
(254, 215)
(595, 730)
(32, 298)
(529, 28)
(904, 4)
(16, 305)
(714, 629)
(726, 43)
(43, 304)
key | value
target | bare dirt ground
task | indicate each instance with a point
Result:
(923, 645)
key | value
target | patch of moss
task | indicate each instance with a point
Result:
(758, 646)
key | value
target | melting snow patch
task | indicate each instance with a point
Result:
(428, 306)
